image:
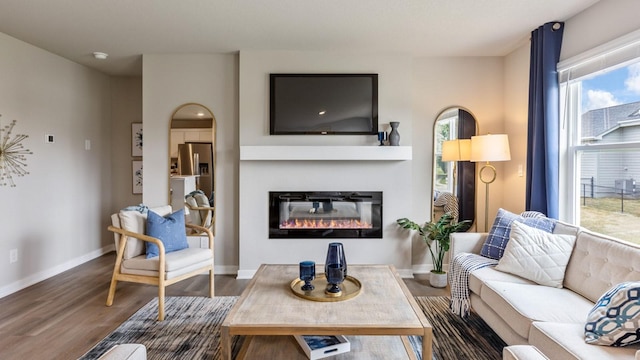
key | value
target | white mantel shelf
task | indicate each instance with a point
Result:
(319, 153)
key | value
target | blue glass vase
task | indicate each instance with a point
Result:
(335, 269)
(307, 274)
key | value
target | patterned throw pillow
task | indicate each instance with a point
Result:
(615, 319)
(169, 229)
(496, 242)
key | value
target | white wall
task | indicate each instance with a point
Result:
(211, 80)
(257, 178)
(127, 109)
(438, 83)
(600, 23)
(56, 216)
(516, 109)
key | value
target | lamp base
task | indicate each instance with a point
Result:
(492, 177)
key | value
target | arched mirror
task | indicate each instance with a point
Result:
(454, 179)
(192, 157)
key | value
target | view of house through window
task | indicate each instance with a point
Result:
(604, 147)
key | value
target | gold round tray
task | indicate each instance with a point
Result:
(350, 288)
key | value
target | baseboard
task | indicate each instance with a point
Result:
(225, 269)
(426, 268)
(405, 273)
(246, 274)
(45, 274)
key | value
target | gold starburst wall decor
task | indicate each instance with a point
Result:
(13, 159)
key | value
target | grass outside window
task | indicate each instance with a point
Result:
(604, 215)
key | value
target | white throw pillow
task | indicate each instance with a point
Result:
(537, 255)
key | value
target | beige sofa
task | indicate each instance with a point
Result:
(552, 319)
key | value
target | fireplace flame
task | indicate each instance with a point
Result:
(325, 224)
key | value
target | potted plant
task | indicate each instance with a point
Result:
(436, 236)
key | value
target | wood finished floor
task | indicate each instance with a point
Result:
(65, 316)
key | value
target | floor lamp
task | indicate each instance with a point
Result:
(486, 148)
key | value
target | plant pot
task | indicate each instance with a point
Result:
(438, 280)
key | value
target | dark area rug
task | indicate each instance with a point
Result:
(191, 330)
(457, 338)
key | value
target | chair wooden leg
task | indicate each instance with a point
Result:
(112, 291)
(211, 288)
(160, 303)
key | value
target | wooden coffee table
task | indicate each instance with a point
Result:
(377, 321)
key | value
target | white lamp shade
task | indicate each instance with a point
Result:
(490, 147)
(456, 150)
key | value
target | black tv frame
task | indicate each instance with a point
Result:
(374, 105)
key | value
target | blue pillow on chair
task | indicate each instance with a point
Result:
(496, 242)
(169, 229)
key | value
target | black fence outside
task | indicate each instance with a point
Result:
(624, 189)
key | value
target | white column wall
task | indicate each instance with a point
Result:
(257, 178)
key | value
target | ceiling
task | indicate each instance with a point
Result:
(126, 29)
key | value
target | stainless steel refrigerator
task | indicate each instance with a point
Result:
(195, 158)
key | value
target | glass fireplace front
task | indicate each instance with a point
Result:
(321, 214)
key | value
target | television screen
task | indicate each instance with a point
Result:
(340, 104)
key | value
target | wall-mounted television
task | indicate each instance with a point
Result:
(325, 104)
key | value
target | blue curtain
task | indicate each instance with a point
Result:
(544, 120)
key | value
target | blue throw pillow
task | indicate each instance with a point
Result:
(169, 229)
(615, 319)
(496, 242)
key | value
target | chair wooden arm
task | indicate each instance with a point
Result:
(205, 230)
(204, 208)
(124, 234)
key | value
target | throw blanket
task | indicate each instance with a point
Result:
(461, 266)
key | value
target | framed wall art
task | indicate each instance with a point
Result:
(136, 175)
(136, 139)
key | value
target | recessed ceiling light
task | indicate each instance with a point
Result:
(200, 114)
(322, 112)
(100, 55)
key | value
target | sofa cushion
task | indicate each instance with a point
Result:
(170, 229)
(478, 277)
(499, 235)
(599, 262)
(177, 263)
(563, 228)
(134, 219)
(536, 255)
(615, 319)
(566, 341)
(522, 304)
(522, 352)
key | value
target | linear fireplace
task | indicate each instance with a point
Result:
(323, 214)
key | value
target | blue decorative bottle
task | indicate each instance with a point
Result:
(335, 269)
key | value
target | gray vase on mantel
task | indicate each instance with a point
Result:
(394, 136)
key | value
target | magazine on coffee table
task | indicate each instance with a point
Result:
(322, 346)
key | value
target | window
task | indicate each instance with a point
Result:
(445, 129)
(600, 146)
